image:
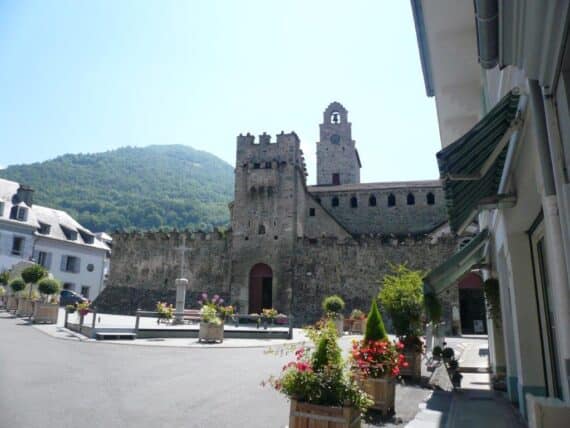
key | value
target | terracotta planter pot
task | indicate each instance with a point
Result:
(25, 308)
(211, 332)
(304, 415)
(12, 303)
(46, 313)
(383, 392)
(414, 369)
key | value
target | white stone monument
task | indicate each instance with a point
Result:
(181, 284)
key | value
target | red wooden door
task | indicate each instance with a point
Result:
(260, 277)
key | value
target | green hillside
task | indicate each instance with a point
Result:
(144, 188)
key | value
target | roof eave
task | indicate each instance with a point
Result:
(417, 11)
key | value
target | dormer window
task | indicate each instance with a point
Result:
(70, 235)
(87, 237)
(44, 228)
(19, 213)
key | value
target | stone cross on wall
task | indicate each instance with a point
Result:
(183, 248)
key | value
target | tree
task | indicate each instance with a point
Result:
(402, 298)
(32, 274)
(49, 286)
(375, 329)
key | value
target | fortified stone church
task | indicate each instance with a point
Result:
(291, 244)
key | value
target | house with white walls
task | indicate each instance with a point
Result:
(52, 238)
(500, 75)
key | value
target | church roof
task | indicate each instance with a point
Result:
(376, 186)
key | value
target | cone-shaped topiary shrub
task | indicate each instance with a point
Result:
(327, 351)
(17, 285)
(375, 329)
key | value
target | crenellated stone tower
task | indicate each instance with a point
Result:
(267, 217)
(337, 158)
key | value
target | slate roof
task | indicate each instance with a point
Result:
(50, 216)
(375, 186)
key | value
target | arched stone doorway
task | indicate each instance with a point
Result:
(472, 305)
(260, 288)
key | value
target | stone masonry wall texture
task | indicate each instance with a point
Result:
(312, 248)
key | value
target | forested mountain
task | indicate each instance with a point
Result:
(171, 186)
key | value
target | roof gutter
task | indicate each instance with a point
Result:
(417, 11)
(487, 25)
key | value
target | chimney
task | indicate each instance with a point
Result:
(25, 194)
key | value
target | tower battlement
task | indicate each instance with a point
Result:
(265, 139)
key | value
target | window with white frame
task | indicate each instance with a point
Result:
(44, 259)
(18, 245)
(85, 291)
(19, 213)
(70, 264)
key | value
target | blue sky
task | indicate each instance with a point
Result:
(82, 77)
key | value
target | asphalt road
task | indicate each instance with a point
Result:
(47, 382)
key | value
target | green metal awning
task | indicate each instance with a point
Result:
(446, 274)
(471, 167)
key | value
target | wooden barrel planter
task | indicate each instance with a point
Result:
(46, 313)
(305, 415)
(383, 392)
(358, 326)
(12, 303)
(211, 332)
(25, 308)
(414, 369)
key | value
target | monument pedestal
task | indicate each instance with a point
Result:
(181, 285)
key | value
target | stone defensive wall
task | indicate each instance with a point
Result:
(145, 265)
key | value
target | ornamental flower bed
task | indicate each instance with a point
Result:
(83, 308)
(211, 322)
(165, 312)
(377, 361)
(320, 388)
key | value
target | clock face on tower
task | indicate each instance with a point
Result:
(335, 139)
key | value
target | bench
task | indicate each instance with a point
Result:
(192, 315)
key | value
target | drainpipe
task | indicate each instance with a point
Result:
(553, 231)
(487, 23)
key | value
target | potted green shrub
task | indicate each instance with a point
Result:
(377, 362)
(321, 390)
(211, 323)
(16, 285)
(401, 297)
(31, 275)
(4, 280)
(333, 307)
(46, 311)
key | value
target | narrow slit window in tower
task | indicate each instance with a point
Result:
(354, 202)
(430, 198)
(372, 201)
(391, 200)
(261, 230)
(411, 199)
(334, 202)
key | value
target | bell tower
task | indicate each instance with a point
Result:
(337, 158)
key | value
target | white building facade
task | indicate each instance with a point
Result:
(51, 238)
(500, 75)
